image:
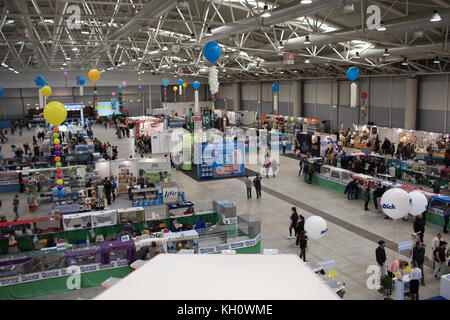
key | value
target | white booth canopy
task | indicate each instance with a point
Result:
(224, 277)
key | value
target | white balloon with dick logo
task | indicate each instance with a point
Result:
(418, 203)
(315, 227)
(395, 203)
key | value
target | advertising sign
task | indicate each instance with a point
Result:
(170, 194)
(226, 158)
(288, 58)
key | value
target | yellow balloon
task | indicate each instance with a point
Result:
(59, 182)
(46, 91)
(184, 84)
(175, 88)
(56, 141)
(55, 113)
(94, 75)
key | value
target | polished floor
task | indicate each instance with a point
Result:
(352, 234)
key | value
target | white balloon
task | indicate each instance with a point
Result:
(418, 203)
(395, 203)
(315, 227)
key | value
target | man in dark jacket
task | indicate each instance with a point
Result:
(419, 226)
(377, 195)
(436, 187)
(419, 257)
(257, 184)
(107, 189)
(380, 255)
(349, 189)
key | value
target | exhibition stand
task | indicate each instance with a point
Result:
(338, 178)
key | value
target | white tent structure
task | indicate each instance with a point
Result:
(221, 277)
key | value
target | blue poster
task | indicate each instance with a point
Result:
(107, 108)
(222, 159)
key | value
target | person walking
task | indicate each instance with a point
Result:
(366, 198)
(300, 164)
(267, 164)
(294, 220)
(107, 189)
(300, 228)
(439, 259)
(305, 171)
(377, 196)
(446, 217)
(284, 146)
(419, 226)
(310, 173)
(415, 275)
(380, 255)
(418, 256)
(248, 185)
(303, 242)
(15, 204)
(257, 185)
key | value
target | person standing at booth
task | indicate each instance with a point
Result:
(248, 185)
(418, 256)
(257, 184)
(415, 275)
(380, 255)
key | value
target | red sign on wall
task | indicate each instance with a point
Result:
(288, 57)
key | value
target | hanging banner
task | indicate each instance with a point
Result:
(288, 57)
(41, 99)
(197, 104)
(275, 103)
(353, 95)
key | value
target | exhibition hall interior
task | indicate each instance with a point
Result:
(224, 150)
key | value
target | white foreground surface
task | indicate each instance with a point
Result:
(216, 277)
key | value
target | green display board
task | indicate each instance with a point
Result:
(59, 284)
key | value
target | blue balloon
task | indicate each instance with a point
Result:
(352, 73)
(165, 82)
(60, 193)
(120, 87)
(275, 87)
(212, 51)
(39, 81)
(1, 92)
(196, 85)
(45, 84)
(81, 81)
(180, 82)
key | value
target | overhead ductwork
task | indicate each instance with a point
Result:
(251, 24)
(401, 25)
(24, 25)
(154, 9)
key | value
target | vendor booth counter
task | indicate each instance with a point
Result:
(338, 178)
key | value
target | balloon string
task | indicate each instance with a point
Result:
(395, 230)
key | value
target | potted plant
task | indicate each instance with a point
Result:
(386, 287)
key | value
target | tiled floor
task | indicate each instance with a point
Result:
(352, 232)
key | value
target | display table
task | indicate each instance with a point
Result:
(445, 286)
(400, 288)
(113, 246)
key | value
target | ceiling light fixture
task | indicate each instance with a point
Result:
(306, 1)
(209, 32)
(307, 60)
(386, 52)
(165, 48)
(357, 56)
(404, 63)
(280, 45)
(307, 41)
(436, 16)
(381, 27)
(266, 12)
(436, 60)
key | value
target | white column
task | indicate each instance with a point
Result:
(411, 103)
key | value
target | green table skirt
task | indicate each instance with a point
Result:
(431, 217)
(26, 243)
(59, 284)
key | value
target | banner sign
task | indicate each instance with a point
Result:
(232, 246)
(170, 194)
(30, 277)
(288, 58)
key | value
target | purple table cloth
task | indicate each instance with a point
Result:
(15, 261)
(73, 254)
(116, 245)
